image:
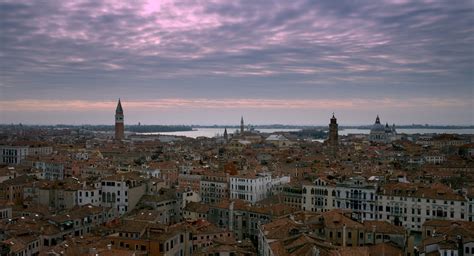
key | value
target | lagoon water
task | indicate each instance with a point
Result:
(212, 132)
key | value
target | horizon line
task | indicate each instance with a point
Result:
(235, 125)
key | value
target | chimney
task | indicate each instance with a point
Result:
(344, 235)
(231, 216)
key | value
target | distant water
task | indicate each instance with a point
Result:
(212, 132)
(411, 131)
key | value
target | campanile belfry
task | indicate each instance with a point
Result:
(119, 126)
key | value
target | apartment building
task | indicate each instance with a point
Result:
(410, 205)
(13, 154)
(355, 194)
(250, 187)
(88, 194)
(122, 191)
(214, 187)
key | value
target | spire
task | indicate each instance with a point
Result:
(377, 120)
(119, 107)
(333, 119)
(242, 124)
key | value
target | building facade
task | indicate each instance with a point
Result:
(122, 193)
(382, 134)
(250, 187)
(354, 194)
(214, 187)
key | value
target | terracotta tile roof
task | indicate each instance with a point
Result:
(432, 191)
(301, 244)
(351, 251)
(336, 220)
(16, 245)
(383, 227)
(277, 209)
(386, 249)
(197, 207)
(132, 226)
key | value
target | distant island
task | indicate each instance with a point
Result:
(301, 127)
(105, 128)
(181, 128)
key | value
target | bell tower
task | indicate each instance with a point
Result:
(119, 126)
(333, 134)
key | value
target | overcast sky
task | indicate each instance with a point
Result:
(209, 62)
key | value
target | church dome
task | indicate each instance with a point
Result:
(377, 127)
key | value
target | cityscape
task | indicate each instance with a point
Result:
(83, 192)
(236, 128)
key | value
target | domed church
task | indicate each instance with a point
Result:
(382, 134)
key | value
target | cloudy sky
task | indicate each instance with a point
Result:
(209, 62)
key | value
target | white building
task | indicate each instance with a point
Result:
(435, 158)
(319, 196)
(355, 194)
(51, 170)
(15, 154)
(250, 187)
(410, 205)
(382, 134)
(5, 212)
(12, 154)
(122, 193)
(279, 140)
(89, 195)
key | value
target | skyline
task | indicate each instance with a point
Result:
(185, 62)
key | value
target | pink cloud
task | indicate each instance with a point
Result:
(32, 105)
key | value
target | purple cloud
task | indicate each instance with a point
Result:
(101, 50)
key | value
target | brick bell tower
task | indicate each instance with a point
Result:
(333, 136)
(119, 127)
